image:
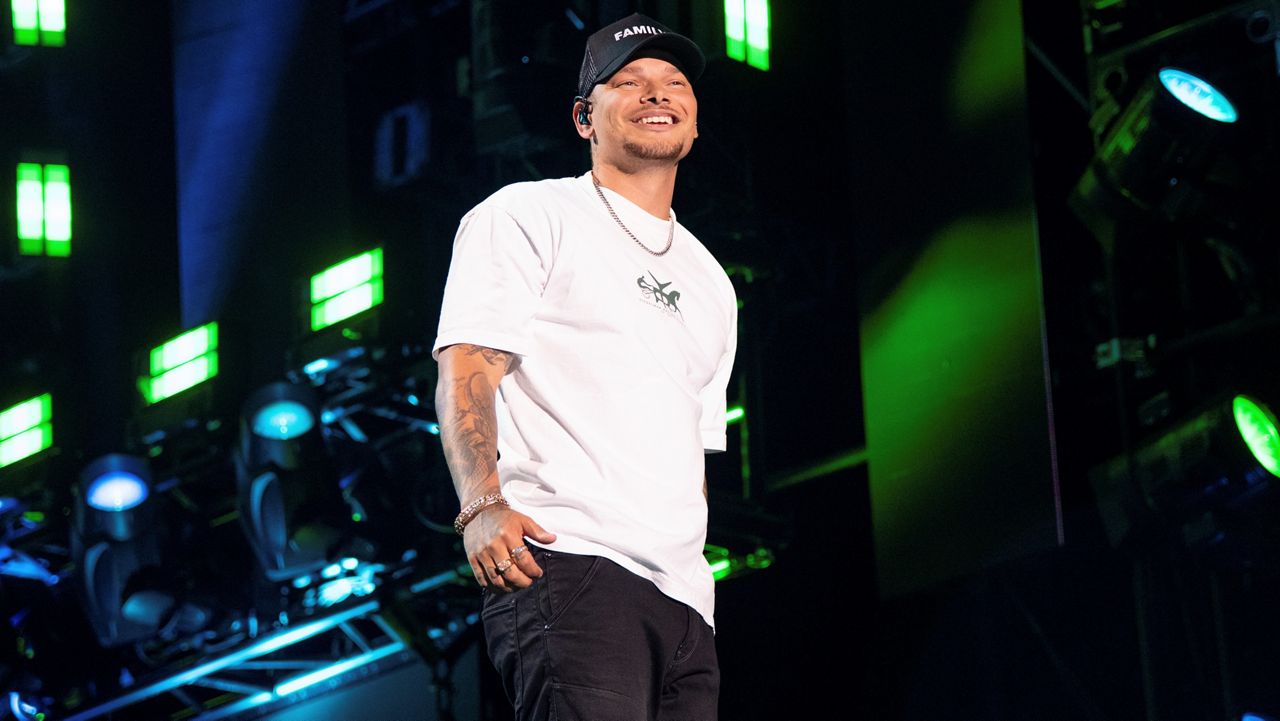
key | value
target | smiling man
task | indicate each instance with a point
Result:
(585, 344)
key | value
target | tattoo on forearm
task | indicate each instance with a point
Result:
(470, 437)
(491, 356)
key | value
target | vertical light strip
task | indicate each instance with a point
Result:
(57, 210)
(26, 22)
(758, 34)
(53, 23)
(30, 209)
(735, 29)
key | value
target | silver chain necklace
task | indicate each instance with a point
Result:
(671, 234)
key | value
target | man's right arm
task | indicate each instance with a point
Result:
(465, 393)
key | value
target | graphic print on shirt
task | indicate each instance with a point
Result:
(657, 295)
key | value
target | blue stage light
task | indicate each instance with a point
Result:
(282, 420)
(316, 367)
(116, 491)
(1198, 95)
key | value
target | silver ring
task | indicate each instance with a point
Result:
(518, 550)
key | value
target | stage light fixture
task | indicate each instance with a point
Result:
(1257, 426)
(1154, 152)
(44, 210)
(1198, 95)
(291, 506)
(734, 414)
(117, 545)
(343, 290)
(283, 419)
(181, 363)
(26, 429)
(116, 490)
(1223, 457)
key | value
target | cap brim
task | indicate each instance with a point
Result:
(692, 62)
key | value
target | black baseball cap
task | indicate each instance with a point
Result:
(615, 45)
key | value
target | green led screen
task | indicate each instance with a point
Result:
(955, 393)
(343, 290)
(44, 209)
(181, 363)
(26, 429)
(746, 31)
(39, 22)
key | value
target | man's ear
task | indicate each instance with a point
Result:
(582, 117)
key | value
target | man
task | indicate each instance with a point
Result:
(585, 344)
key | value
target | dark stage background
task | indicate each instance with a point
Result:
(999, 294)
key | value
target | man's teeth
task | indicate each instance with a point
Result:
(656, 119)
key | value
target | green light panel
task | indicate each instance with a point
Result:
(720, 569)
(26, 22)
(181, 363)
(184, 348)
(758, 34)
(53, 23)
(746, 31)
(57, 211)
(735, 29)
(172, 382)
(734, 415)
(44, 210)
(26, 429)
(339, 308)
(724, 564)
(1258, 428)
(346, 275)
(39, 22)
(30, 209)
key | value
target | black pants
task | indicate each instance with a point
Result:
(591, 641)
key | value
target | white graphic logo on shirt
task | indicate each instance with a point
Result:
(657, 295)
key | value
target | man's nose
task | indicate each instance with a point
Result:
(655, 93)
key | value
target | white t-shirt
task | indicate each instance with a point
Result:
(619, 388)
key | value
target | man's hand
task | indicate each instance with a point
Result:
(496, 535)
(494, 539)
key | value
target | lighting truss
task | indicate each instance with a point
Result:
(273, 668)
(279, 667)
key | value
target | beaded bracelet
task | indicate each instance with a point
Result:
(473, 509)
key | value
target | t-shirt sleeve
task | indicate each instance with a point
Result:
(496, 279)
(713, 423)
